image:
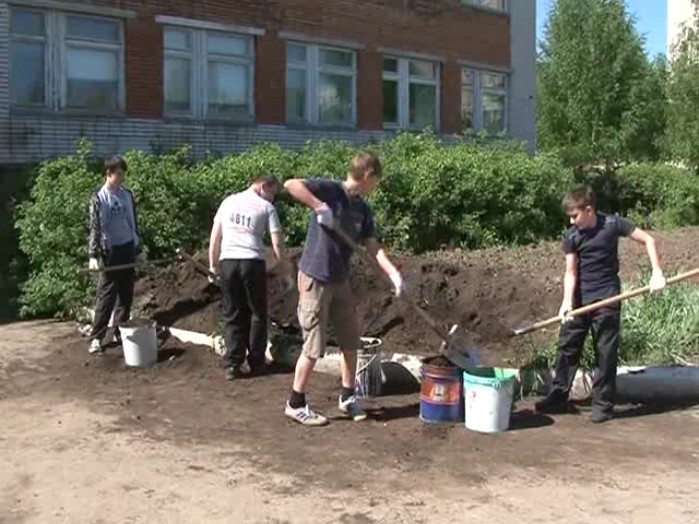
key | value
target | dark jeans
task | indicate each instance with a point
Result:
(114, 285)
(605, 325)
(244, 290)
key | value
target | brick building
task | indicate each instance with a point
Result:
(222, 75)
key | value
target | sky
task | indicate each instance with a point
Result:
(651, 21)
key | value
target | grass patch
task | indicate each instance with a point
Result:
(657, 329)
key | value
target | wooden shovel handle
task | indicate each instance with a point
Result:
(603, 303)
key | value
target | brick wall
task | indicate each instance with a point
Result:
(436, 27)
(442, 28)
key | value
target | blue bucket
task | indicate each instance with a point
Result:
(441, 393)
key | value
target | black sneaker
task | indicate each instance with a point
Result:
(236, 372)
(554, 402)
(600, 417)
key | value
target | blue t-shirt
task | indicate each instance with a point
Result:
(598, 259)
(325, 257)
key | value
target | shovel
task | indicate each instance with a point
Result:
(450, 348)
(602, 303)
(120, 267)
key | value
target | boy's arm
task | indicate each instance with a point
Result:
(657, 280)
(94, 246)
(377, 251)
(214, 246)
(570, 280)
(297, 189)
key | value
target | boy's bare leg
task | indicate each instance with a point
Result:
(348, 366)
(304, 368)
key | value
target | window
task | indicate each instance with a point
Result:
(66, 61)
(410, 93)
(320, 85)
(495, 5)
(493, 101)
(208, 73)
(484, 101)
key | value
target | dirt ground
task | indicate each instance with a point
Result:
(86, 440)
(487, 292)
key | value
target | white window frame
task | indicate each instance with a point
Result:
(199, 57)
(404, 81)
(56, 45)
(478, 91)
(480, 4)
(313, 70)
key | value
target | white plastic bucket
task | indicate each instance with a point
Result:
(488, 397)
(140, 344)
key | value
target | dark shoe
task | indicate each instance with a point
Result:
(555, 402)
(599, 417)
(233, 373)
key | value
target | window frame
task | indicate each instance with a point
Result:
(200, 58)
(478, 91)
(56, 47)
(478, 4)
(404, 79)
(314, 69)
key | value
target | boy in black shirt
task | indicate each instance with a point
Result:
(592, 274)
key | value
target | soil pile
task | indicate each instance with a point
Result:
(486, 292)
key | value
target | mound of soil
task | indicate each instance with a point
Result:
(487, 293)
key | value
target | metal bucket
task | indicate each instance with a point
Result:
(441, 393)
(369, 379)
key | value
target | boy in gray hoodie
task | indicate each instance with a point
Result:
(114, 239)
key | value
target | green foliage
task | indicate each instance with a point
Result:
(599, 100)
(658, 329)
(431, 196)
(654, 195)
(14, 188)
(683, 94)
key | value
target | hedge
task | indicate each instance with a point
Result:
(432, 195)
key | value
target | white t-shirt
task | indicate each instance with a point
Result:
(244, 217)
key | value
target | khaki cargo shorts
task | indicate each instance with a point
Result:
(320, 302)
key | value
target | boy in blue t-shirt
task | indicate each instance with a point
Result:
(592, 274)
(323, 279)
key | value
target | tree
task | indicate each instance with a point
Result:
(683, 95)
(599, 98)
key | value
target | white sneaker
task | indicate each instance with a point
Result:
(95, 347)
(305, 416)
(351, 408)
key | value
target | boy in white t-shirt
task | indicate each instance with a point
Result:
(237, 256)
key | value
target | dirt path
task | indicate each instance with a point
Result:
(85, 440)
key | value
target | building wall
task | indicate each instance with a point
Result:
(522, 99)
(678, 13)
(443, 29)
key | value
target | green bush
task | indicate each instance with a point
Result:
(654, 195)
(658, 329)
(432, 196)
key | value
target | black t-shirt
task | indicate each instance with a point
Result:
(598, 258)
(325, 257)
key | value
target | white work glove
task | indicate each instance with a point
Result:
(657, 281)
(213, 276)
(566, 307)
(95, 264)
(140, 258)
(325, 216)
(398, 284)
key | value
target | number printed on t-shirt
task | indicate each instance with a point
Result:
(240, 220)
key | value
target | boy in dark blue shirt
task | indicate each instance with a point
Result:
(323, 279)
(592, 274)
